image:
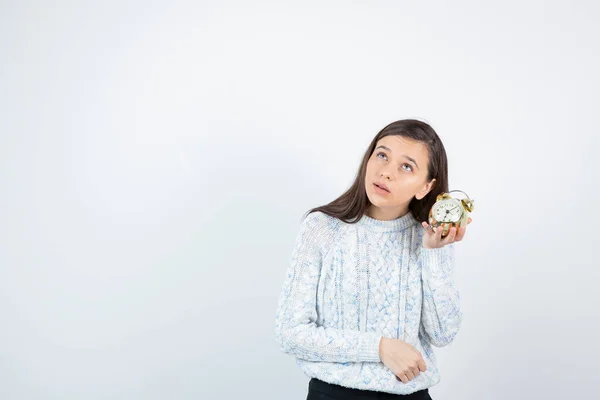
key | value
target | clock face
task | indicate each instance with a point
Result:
(448, 210)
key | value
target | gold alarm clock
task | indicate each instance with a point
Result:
(448, 211)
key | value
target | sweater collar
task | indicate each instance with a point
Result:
(393, 225)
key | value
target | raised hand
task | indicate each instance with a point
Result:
(432, 239)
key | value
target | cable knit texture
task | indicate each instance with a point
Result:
(349, 285)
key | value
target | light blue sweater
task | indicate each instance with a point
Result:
(349, 285)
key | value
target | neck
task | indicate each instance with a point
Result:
(385, 214)
(387, 225)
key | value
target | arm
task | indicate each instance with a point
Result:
(441, 315)
(296, 330)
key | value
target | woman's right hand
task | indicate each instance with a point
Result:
(401, 358)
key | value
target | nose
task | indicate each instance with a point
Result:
(385, 174)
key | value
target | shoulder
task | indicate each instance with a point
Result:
(318, 221)
(319, 228)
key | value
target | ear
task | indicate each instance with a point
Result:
(426, 189)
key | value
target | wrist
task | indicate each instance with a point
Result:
(381, 345)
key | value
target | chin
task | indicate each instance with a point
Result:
(376, 200)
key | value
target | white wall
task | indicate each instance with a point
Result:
(156, 159)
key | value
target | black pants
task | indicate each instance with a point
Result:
(319, 390)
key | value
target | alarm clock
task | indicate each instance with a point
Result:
(448, 211)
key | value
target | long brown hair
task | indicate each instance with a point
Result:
(351, 206)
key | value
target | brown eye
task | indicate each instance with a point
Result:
(409, 166)
(378, 154)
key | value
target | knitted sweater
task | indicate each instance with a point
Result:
(349, 285)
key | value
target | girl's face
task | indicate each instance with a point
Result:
(400, 163)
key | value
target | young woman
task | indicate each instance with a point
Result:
(369, 289)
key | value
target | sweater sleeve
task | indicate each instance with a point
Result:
(441, 315)
(296, 329)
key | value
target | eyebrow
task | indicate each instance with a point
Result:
(403, 155)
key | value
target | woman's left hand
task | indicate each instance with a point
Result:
(432, 239)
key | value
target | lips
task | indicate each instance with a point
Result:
(382, 186)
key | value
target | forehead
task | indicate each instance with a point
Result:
(401, 146)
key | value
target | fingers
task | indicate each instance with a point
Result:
(460, 234)
(451, 236)
(415, 371)
(411, 372)
(438, 232)
(455, 234)
(406, 376)
(428, 228)
(422, 366)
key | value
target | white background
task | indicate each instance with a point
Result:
(156, 159)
